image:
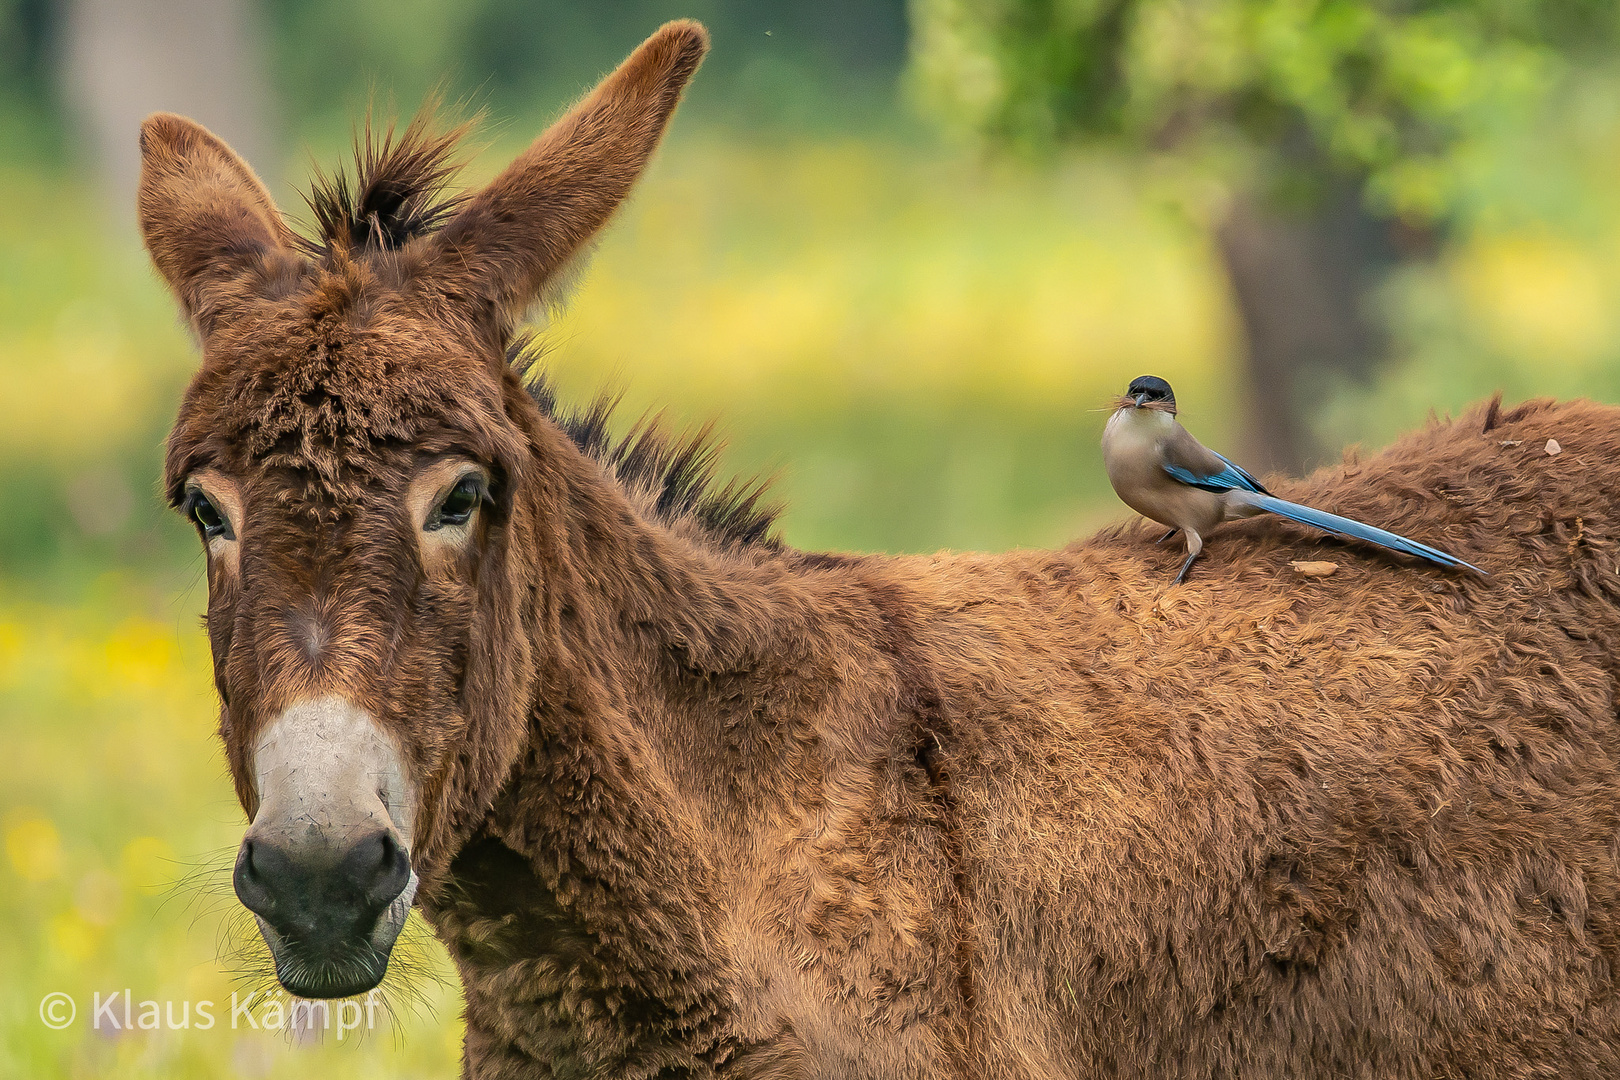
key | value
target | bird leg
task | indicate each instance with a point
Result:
(1195, 544)
(1167, 536)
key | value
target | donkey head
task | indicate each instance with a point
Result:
(359, 462)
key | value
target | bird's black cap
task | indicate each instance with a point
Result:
(1145, 388)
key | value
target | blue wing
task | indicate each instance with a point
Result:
(1230, 477)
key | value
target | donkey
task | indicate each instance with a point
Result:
(683, 801)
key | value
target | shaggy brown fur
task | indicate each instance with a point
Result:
(695, 804)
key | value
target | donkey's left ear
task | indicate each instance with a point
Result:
(205, 217)
(499, 251)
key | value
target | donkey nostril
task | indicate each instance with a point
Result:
(249, 882)
(379, 869)
(396, 866)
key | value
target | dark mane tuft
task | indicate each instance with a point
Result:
(674, 471)
(396, 192)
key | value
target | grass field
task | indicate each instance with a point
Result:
(119, 828)
(914, 341)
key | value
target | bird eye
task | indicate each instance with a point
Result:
(458, 506)
(206, 516)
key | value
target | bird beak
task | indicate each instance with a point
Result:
(1139, 398)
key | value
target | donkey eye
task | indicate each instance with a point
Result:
(206, 516)
(457, 507)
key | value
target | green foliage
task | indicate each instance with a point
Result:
(1398, 92)
(24, 48)
(26, 132)
(802, 63)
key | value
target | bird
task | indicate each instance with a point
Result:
(1159, 470)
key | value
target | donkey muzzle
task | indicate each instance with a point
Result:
(324, 904)
(325, 867)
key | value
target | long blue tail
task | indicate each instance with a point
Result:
(1343, 526)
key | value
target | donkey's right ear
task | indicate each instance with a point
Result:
(514, 236)
(205, 217)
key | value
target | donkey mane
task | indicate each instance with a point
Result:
(671, 474)
(397, 192)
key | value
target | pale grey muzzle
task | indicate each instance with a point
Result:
(325, 866)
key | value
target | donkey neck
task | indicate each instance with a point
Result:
(665, 702)
(642, 620)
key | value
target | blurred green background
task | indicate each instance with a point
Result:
(902, 256)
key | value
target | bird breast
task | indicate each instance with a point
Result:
(1133, 454)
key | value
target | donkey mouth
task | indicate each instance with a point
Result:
(330, 922)
(344, 975)
(327, 953)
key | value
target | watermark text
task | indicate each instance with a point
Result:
(274, 1011)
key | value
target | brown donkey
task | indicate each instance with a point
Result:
(684, 802)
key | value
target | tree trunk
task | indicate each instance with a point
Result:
(1300, 282)
(124, 59)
